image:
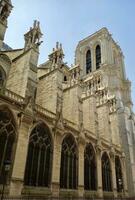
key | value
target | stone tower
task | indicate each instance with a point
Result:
(100, 54)
(5, 9)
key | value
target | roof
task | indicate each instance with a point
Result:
(104, 29)
(5, 47)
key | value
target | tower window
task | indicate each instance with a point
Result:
(65, 78)
(88, 62)
(98, 56)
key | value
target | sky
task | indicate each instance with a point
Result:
(69, 21)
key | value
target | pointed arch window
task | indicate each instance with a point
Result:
(98, 56)
(106, 173)
(88, 62)
(119, 178)
(89, 168)
(7, 140)
(39, 157)
(69, 164)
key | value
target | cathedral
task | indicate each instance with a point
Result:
(65, 131)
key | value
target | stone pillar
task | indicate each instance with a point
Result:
(56, 165)
(81, 147)
(99, 172)
(125, 188)
(93, 59)
(103, 51)
(114, 185)
(20, 157)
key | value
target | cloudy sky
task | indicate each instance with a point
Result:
(69, 21)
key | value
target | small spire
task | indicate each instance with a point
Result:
(57, 45)
(60, 46)
(34, 24)
(33, 36)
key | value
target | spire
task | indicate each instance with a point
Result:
(57, 55)
(33, 36)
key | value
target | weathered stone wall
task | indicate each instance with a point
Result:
(18, 76)
(48, 89)
(89, 113)
(115, 135)
(71, 104)
(103, 122)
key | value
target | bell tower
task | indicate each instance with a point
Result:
(5, 9)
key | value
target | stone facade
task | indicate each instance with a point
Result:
(89, 102)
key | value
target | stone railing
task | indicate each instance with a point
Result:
(101, 96)
(112, 104)
(11, 95)
(92, 84)
(70, 124)
(44, 111)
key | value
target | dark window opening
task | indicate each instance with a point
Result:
(106, 173)
(7, 139)
(65, 78)
(88, 62)
(89, 168)
(119, 178)
(98, 56)
(2, 77)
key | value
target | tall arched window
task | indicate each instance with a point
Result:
(98, 56)
(106, 173)
(39, 157)
(89, 168)
(119, 178)
(88, 62)
(7, 139)
(69, 163)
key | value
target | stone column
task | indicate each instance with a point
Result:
(93, 59)
(125, 188)
(99, 172)
(56, 165)
(20, 157)
(103, 51)
(114, 186)
(81, 147)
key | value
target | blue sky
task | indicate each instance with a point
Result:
(69, 21)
